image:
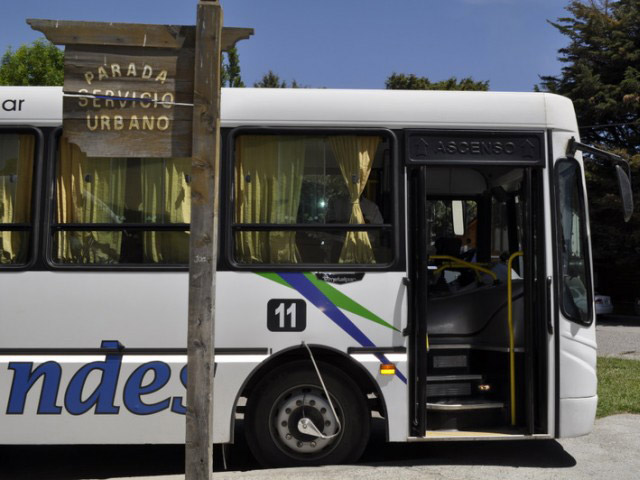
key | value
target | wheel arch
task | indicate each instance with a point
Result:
(321, 353)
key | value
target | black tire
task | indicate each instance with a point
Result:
(272, 416)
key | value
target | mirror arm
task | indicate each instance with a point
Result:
(624, 181)
(574, 146)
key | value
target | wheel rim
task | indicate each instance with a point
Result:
(296, 403)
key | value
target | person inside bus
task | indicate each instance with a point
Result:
(339, 211)
(340, 207)
(501, 269)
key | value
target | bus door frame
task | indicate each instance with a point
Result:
(419, 228)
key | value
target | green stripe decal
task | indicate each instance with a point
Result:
(274, 277)
(340, 300)
(336, 297)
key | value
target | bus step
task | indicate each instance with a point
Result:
(448, 389)
(450, 361)
(453, 378)
(463, 405)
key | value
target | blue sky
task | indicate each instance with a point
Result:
(350, 43)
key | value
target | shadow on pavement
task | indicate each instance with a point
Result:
(81, 462)
(514, 453)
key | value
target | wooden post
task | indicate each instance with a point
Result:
(203, 242)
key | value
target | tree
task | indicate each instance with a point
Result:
(601, 72)
(616, 244)
(230, 73)
(272, 80)
(401, 81)
(40, 63)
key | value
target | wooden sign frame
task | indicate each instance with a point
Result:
(129, 87)
(175, 74)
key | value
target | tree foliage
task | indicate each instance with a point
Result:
(230, 72)
(401, 81)
(40, 63)
(272, 80)
(601, 72)
(616, 244)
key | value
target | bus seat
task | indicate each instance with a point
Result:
(479, 314)
(448, 246)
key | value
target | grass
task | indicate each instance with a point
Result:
(618, 386)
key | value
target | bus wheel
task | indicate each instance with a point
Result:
(293, 392)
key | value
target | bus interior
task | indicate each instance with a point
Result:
(485, 349)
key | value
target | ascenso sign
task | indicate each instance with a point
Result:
(148, 378)
(448, 147)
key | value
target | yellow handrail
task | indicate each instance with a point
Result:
(512, 356)
(462, 263)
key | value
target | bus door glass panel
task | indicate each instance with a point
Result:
(576, 298)
(16, 184)
(296, 196)
(449, 242)
(121, 211)
(507, 220)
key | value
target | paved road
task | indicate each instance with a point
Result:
(611, 451)
(619, 336)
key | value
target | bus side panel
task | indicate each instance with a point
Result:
(368, 312)
(80, 309)
(140, 399)
(123, 400)
(53, 411)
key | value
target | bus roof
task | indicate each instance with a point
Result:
(307, 107)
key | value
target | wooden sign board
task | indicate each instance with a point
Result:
(128, 100)
(129, 87)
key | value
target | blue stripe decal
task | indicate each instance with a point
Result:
(309, 291)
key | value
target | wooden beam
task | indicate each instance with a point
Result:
(232, 35)
(68, 32)
(205, 168)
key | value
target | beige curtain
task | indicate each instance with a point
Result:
(15, 197)
(89, 190)
(355, 155)
(268, 181)
(166, 198)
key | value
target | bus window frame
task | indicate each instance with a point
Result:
(584, 243)
(36, 197)
(393, 226)
(52, 227)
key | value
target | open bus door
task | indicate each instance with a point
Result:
(478, 320)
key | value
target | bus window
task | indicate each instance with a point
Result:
(576, 301)
(16, 178)
(296, 197)
(121, 211)
(445, 240)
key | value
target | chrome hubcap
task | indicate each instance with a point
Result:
(299, 403)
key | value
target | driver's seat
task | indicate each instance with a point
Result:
(448, 246)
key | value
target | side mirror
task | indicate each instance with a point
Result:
(626, 194)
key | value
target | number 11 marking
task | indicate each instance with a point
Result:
(291, 312)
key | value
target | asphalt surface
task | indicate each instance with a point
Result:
(619, 336)
(609, 452)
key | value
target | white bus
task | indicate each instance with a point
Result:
(427, 251)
